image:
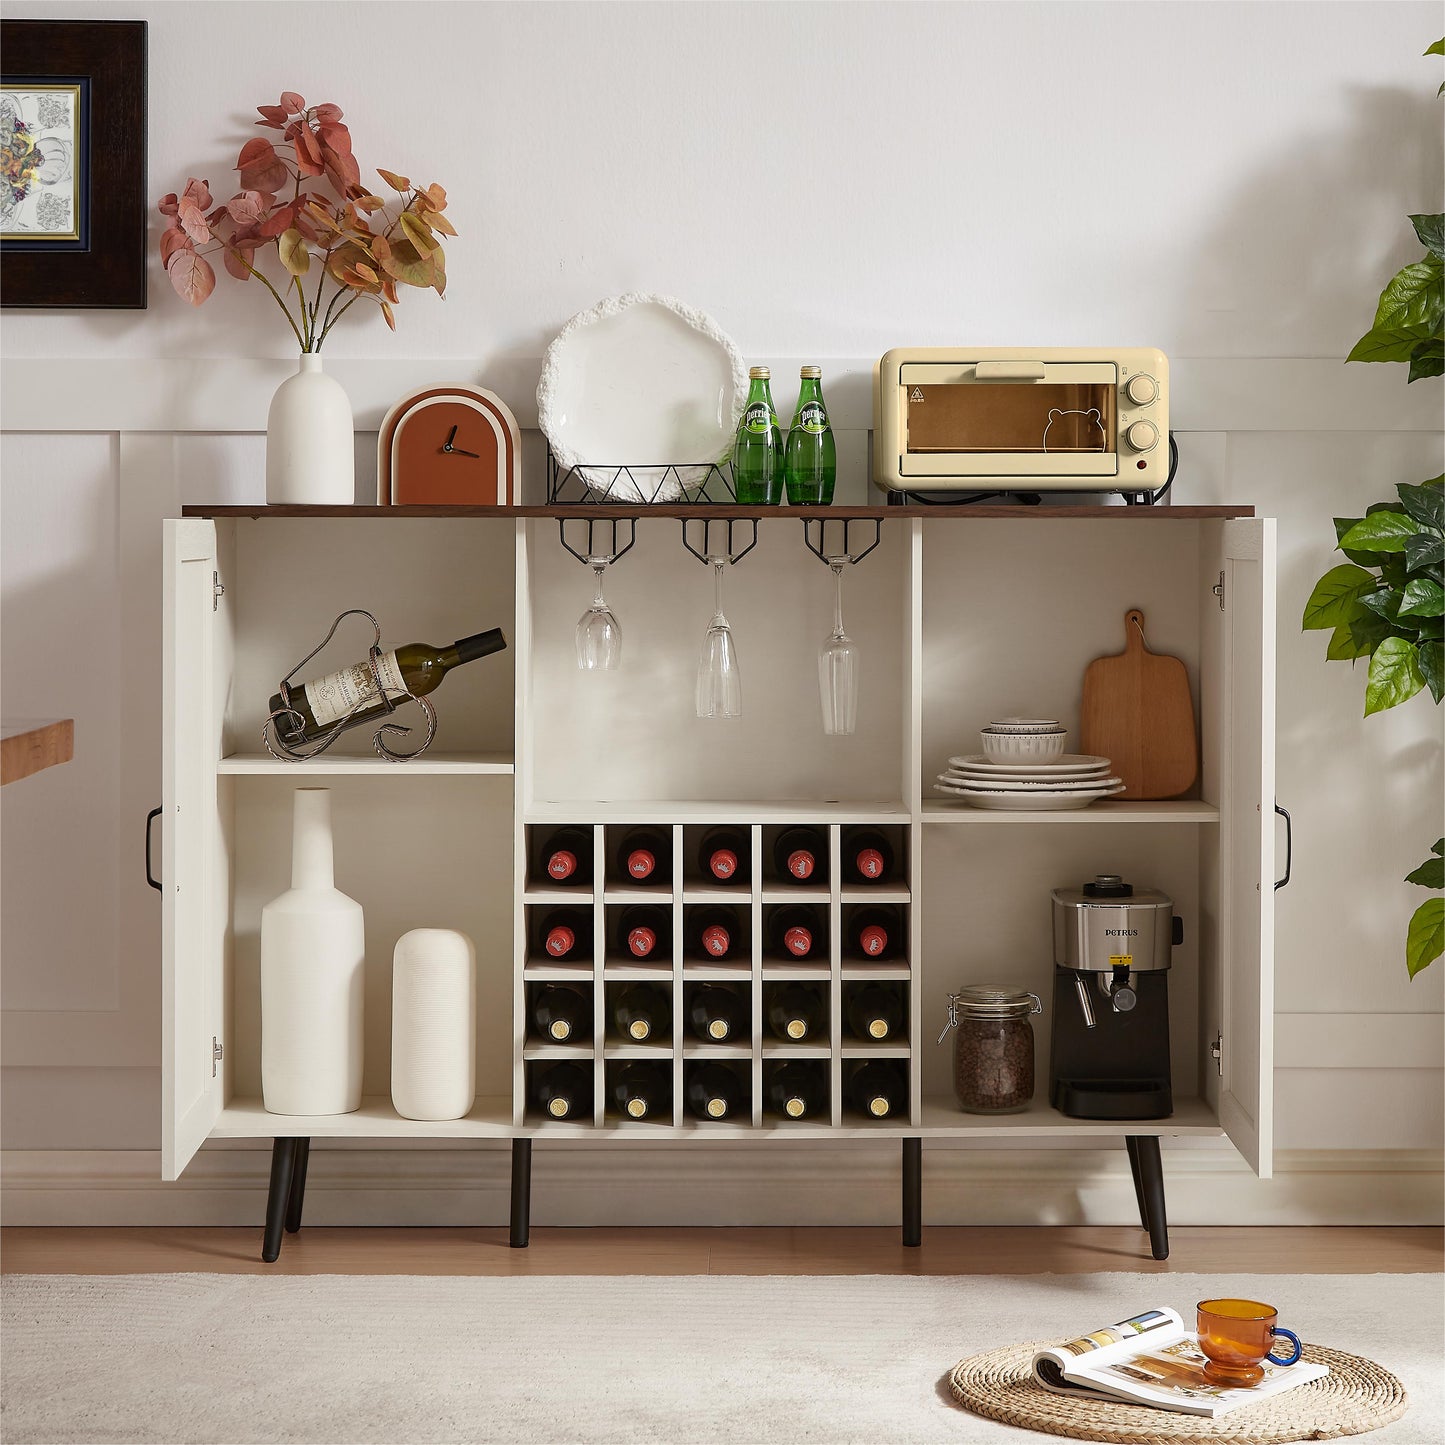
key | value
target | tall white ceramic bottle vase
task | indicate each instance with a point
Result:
(313, 962)
(310, 452)
(434, 1024)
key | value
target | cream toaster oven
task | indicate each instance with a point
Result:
(1034, 420)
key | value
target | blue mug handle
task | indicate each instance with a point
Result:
(1298, 1349)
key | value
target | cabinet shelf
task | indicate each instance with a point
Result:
(336, 765)
(1179, 810)
(717, 811)
(490, 1118)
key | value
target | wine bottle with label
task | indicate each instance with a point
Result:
(644, 932)
(642, 1014)
(565, 933)
(867, 856)
(800, 855)
(718, 1014)
(564, 1091)
(879, 1089)
(874, 1012)
(643, 856)
(562, 1014)
(642, 1091)
(351, 696)
(875, 933)
(797, 1090)
(798, 932)
(714, 934)
(724, 856)
(564, 858)
(715, 1092)
(796, 1013)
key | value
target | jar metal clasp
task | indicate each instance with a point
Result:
(955, 999)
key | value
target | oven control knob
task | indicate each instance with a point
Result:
(1143, 436)
(1141, 389)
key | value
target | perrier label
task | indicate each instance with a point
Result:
(811, 458)
(758, 450)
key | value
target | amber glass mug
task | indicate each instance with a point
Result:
(1238, 1335)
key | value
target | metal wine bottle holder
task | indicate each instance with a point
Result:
(283, 751)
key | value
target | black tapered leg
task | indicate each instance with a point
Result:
(278, 1198)
(1131, 1143)
(521, 1192)
(298, 1186)
(1149, 1172)
(913, 1192)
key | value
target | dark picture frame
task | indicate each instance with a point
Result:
(105, 266)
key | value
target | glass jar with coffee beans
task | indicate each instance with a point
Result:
(993, 1047)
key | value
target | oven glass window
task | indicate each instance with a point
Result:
(1046, 418)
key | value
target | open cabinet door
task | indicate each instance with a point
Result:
(1246, 821)
(192, 962)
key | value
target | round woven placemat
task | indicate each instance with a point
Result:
(1357, 1395)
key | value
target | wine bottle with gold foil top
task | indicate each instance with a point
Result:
(878, 1089)
(715, 1092)
(643, 1091)
(810, 464)
(350, 697)
(758, 449)
(797, 1090)
(564, 1091)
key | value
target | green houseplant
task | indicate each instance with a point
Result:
(1386, 601)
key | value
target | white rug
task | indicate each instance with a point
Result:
(632, 1360)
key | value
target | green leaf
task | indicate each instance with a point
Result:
(1438, 48)
(1395, 675)
(1423, 551)
(1412, 297)
(1330, 604)
(1383, 531)
(1432, 665)
(1378, 344)
(1438, 848)
(1425, 503)
(1423, 597)
(1368, 631)
(1365, 559)
(1429, 627)
(1425, 941)
(1427, 359)
(1344, 648)
(1384, 603)
(1430, 874)
(1431, 231)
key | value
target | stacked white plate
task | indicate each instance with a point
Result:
(1072, 780)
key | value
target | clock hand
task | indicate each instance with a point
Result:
(451, 437)
(461, 453)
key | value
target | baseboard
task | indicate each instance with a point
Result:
(722, 1185)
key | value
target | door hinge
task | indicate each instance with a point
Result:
(218, 590)
(1218, 590)
(218, 1052)
(1216, 1052)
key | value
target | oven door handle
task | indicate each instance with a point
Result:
(1009, 371)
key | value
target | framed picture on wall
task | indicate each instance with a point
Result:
(73, 141)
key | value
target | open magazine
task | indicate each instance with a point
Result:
(1153, 1360)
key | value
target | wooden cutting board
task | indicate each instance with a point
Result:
(1137, 712)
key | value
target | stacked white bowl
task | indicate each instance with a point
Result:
(1023, 768)
(1018, 739)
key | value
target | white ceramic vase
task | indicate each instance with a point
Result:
(434, 1024)
(313, 963)
(310, 452)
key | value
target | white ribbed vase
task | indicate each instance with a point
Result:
(433, 1024)
(313, 965)
(310, 452)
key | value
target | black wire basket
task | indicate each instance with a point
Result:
(677, 484)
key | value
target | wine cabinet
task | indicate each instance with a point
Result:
(592, 835)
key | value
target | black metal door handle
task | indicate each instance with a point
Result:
(1288, 845)
(151, 877)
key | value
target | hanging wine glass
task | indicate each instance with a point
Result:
(719, 683)
(599, 637)
(838, 668)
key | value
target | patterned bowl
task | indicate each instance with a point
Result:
(1022, 747)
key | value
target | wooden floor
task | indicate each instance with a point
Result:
(1059, 1250)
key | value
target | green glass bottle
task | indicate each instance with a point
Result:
(758, 450)
(811, 460)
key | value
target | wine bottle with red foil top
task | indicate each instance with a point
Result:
(645, 932)
(643, 856)
(642, 1014)
(796, 1014)
(867, 856)
(350, 697)
(874, 1013)
(565, 858)
(562, 1014)
(797, 1090)
(718, 1014)
(724, 856)
(566, 933)
(714, 934)
(800, 855)
(875, 933)
(564, 1091)
(796, 932)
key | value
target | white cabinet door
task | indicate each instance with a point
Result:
(192, 953)
(1246, 1085)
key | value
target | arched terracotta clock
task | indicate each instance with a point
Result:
(449, 446)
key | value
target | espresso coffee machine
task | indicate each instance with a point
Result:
(1109, 1055)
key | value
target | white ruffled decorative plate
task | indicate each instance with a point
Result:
(642, 382)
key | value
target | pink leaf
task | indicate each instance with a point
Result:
(326, 113)
(292, 101)
(193, 221)
(169, 204)
(272, 115)
(341, 168)
(308, 153)
(199, 192)
(173, 240)
(237, 259)
(247, 208)
(279, 220)
(192, 276)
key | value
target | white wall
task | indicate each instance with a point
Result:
(1221, 180)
